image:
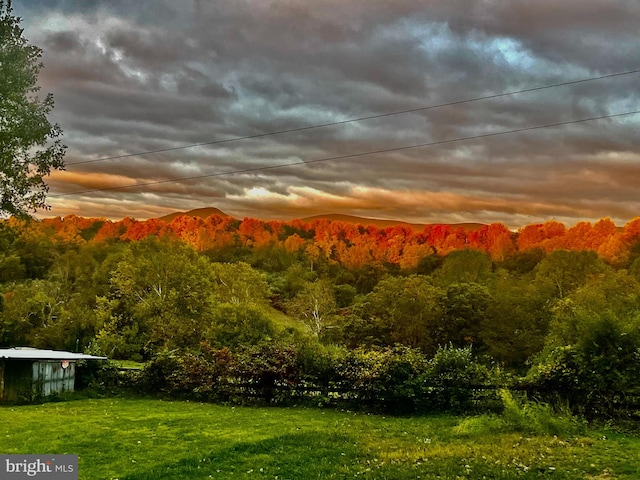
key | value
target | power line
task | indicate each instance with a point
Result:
(359, 119)
(352, 155)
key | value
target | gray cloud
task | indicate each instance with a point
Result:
(128, 78)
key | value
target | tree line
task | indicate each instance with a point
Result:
(566, 317)
(351, 244)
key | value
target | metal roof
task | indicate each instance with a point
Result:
(28, 353)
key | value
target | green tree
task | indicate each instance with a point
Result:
(31, 313)
(239, 284)
(522, 263)
(613, 296)
(367, 276)
(161, 293)
(344, 295)
(465, 309)
(10, 268)
(562, 271)
(234, 325)
(58, 311)
(286, 285)
(314, 305)
(593, 345)
(29, 143)
(409, 308)
(465, 266)
(517, 321)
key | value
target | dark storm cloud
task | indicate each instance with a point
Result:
(131, 76)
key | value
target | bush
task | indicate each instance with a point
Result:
(265, 368)
(203, 376)
(362, 377)
(401, 380)
(154, 377)
(451, 375)
(319, 364)
(99, 377)
(398, 380)
(595, 375)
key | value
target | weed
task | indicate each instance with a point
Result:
(523, 416)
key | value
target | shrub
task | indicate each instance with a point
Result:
(398, 380)
(389, 379)
(203, 376)
(319, 364)
(595, 375)
(265, 367)
(154, 377)
(361, 375)
(403, 381)
(98, 376)
(451, 376)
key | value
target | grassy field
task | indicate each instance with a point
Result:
(138, 439)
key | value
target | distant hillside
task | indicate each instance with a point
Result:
(198, 212)
(380, 223)
(334, 217)
(468, 227)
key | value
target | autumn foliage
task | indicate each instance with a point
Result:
(353, 245)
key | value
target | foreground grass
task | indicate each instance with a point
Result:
(144, 439)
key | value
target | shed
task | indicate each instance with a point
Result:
(26, 371)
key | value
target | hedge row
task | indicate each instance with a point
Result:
(397, 380)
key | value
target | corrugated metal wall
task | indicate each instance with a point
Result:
(20, 379)
(53, 377)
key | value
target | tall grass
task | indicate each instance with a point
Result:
(523, 416)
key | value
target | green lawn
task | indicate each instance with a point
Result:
(153, 439)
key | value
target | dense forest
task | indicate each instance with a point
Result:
(558, 305)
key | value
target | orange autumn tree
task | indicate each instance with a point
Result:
(541, 235)
(187, 229)
(216, 232)
(255, 233)
(352, 245)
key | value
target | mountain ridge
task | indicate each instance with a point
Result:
(206, 212)
(383, 223)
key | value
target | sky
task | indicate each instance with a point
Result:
(137, 76)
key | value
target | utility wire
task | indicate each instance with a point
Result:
(359, 119)
(352, 155)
